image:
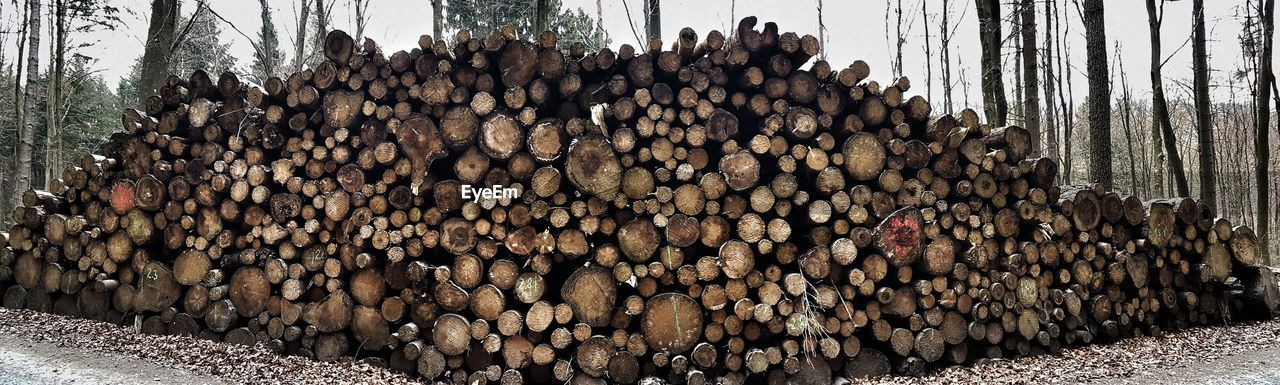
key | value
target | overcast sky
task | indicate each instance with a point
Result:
(855, 30)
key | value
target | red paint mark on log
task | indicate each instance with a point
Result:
(899, 236)
(122, 196)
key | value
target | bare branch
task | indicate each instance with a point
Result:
(632, 24)
(182, 36)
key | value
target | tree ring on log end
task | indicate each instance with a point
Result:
(672, 322)
(900, 235)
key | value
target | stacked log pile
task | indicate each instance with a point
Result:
(510, 211)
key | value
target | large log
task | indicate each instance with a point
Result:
(900, 236)
(671, 322)
(591, 293)
(593, 167)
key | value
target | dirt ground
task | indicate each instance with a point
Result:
(37, 348)
(1247, 367)
(25, 360)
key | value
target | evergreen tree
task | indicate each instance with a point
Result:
(91, 112)
(268, 59)
(202, 48)
(575, 26)
(482, 16)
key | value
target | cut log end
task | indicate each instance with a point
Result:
(900, 236)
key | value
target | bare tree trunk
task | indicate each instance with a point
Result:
(322, 12)
(653, 18)
(928, 52)
(1204, 123)
(1262, 124)
(1190, 146)
(599, 29)
(993, 99)
(300, 42)
(1157, 158)
(1242, 127)
(27, 132)
(1031, 90)
(1145, 152)
(1159, 106)
(888, 7)
(1016, 109)
(57, 86)
(161, 35)
(18, 113)
(437, 18)
(964, 80)
(822, 37)
(1273, 184)
(1127, 106)
(1050, 118)
(1099, 93)
(897, 62)
(268, 54)
(1068, 99)
(944, 38)
(541, 16)
(362, 18)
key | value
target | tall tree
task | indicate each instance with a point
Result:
(200, 49)
(1126, 106)
(598, 31)
(1262, 124)
(653, 18)
(361, 8)
(964, 80)
(300, 45)
(1066, 93)
(541, 16)
(993, 99)
(1031, 89)
(1160, 106)
(1013, 36)
(1204, 123)
(928, 49)
(323, 11)
(822, 37)
(267, 57)
(11, 143)
(162, 35)
(1050, 119)
(56, 82)
(944, 40)
(898, 41)
(26, 133)
(437, 18)
(1099, 93)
